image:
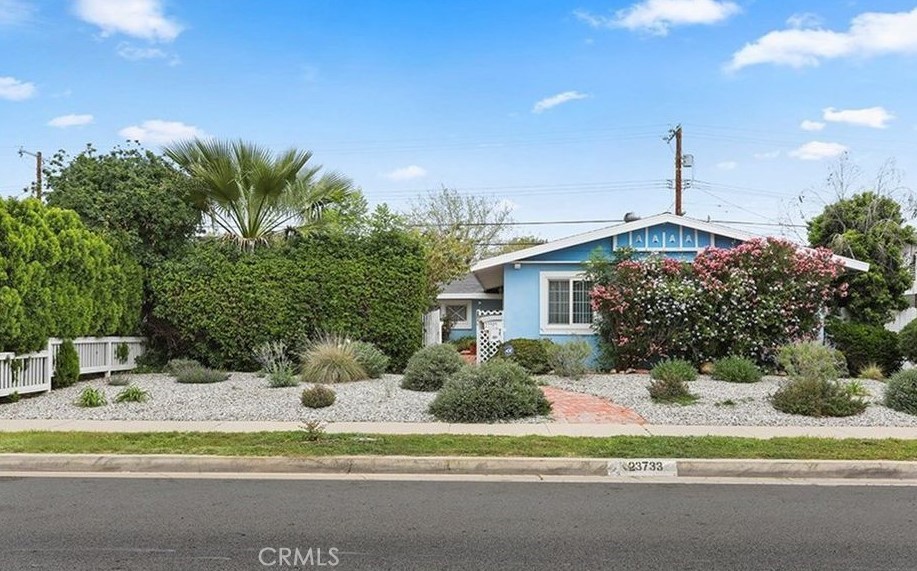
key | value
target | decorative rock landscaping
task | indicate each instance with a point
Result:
(723, 403)
(615, 399)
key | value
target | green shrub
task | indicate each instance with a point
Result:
(200, 375)
(91, 397)
(318, 396)
(219, 303)
(670, 388)
(907, 341)
(817, 396)
(812, 360)
(863, 344)
(283, 378)
(497, 390)
(736, 370)
(66, 366)
(331, 359)
(466, 343)
(532, 354)
(674, 370)
(856, 388)
(59, 279)
(429, 368)
(175, 366)
(371, 358)
(901, 391)
(570, 359)
(119, 380)
(132, 393)
(871, 371)
(273, 357)
(607, 356)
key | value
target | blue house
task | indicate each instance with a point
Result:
(540, 292)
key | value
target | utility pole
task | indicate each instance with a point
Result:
(38, 165)
(676, 134)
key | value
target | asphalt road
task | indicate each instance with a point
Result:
(158, 524)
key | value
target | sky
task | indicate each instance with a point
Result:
(558, 108)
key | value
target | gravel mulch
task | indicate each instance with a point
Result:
(751, 406)
(244, 396)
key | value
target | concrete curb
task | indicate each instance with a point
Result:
(684, 468)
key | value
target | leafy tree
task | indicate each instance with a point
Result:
(58, 279)
(869, 227)
(252, 194)
(130, 193)
(454, 217)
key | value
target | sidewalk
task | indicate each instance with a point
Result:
(543, 429)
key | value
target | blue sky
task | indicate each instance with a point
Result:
(557, 107)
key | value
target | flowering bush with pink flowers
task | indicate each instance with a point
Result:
(747, 301)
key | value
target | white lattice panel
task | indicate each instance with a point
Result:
(490, 334)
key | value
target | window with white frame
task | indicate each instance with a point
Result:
(458, 314)
(565, 303)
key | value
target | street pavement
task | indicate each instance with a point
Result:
(155, 523)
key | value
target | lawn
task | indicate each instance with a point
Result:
(299, 444)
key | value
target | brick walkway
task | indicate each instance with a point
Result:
(578, 408)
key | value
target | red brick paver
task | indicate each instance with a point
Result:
(570, 407)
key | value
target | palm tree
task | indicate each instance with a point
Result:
(251, 194)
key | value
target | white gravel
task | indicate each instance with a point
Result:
(751, 407)
(244, 396)
(247, 397)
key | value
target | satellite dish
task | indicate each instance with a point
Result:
(631, 217)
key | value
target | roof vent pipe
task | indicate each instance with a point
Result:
(631, 217)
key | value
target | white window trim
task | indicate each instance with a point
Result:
(554, 328)
(458, 324)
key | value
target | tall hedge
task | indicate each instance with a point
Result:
(216, 303)
(58, 279)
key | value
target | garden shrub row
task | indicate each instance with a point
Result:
(216, 303)
(59, 279)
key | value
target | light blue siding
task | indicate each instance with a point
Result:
(476, 305)
(580, 252)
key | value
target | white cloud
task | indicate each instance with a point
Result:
(870, 34)
(161, 132)
(15, 90)
(134, 53)
(808, 125)
(407, 173)
(555, 100)
(727, 165)
(817, 150)
(70, 120)
(137, 18)
(804, 20)
(767, 155)
(658, 16)
(15, 12)
(875, 117)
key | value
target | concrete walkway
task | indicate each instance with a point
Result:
(543, 429)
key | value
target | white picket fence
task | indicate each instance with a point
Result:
(31, 372)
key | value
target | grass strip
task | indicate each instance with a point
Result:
(298, 444)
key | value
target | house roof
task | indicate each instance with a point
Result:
(466, 287)
(609, 231)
